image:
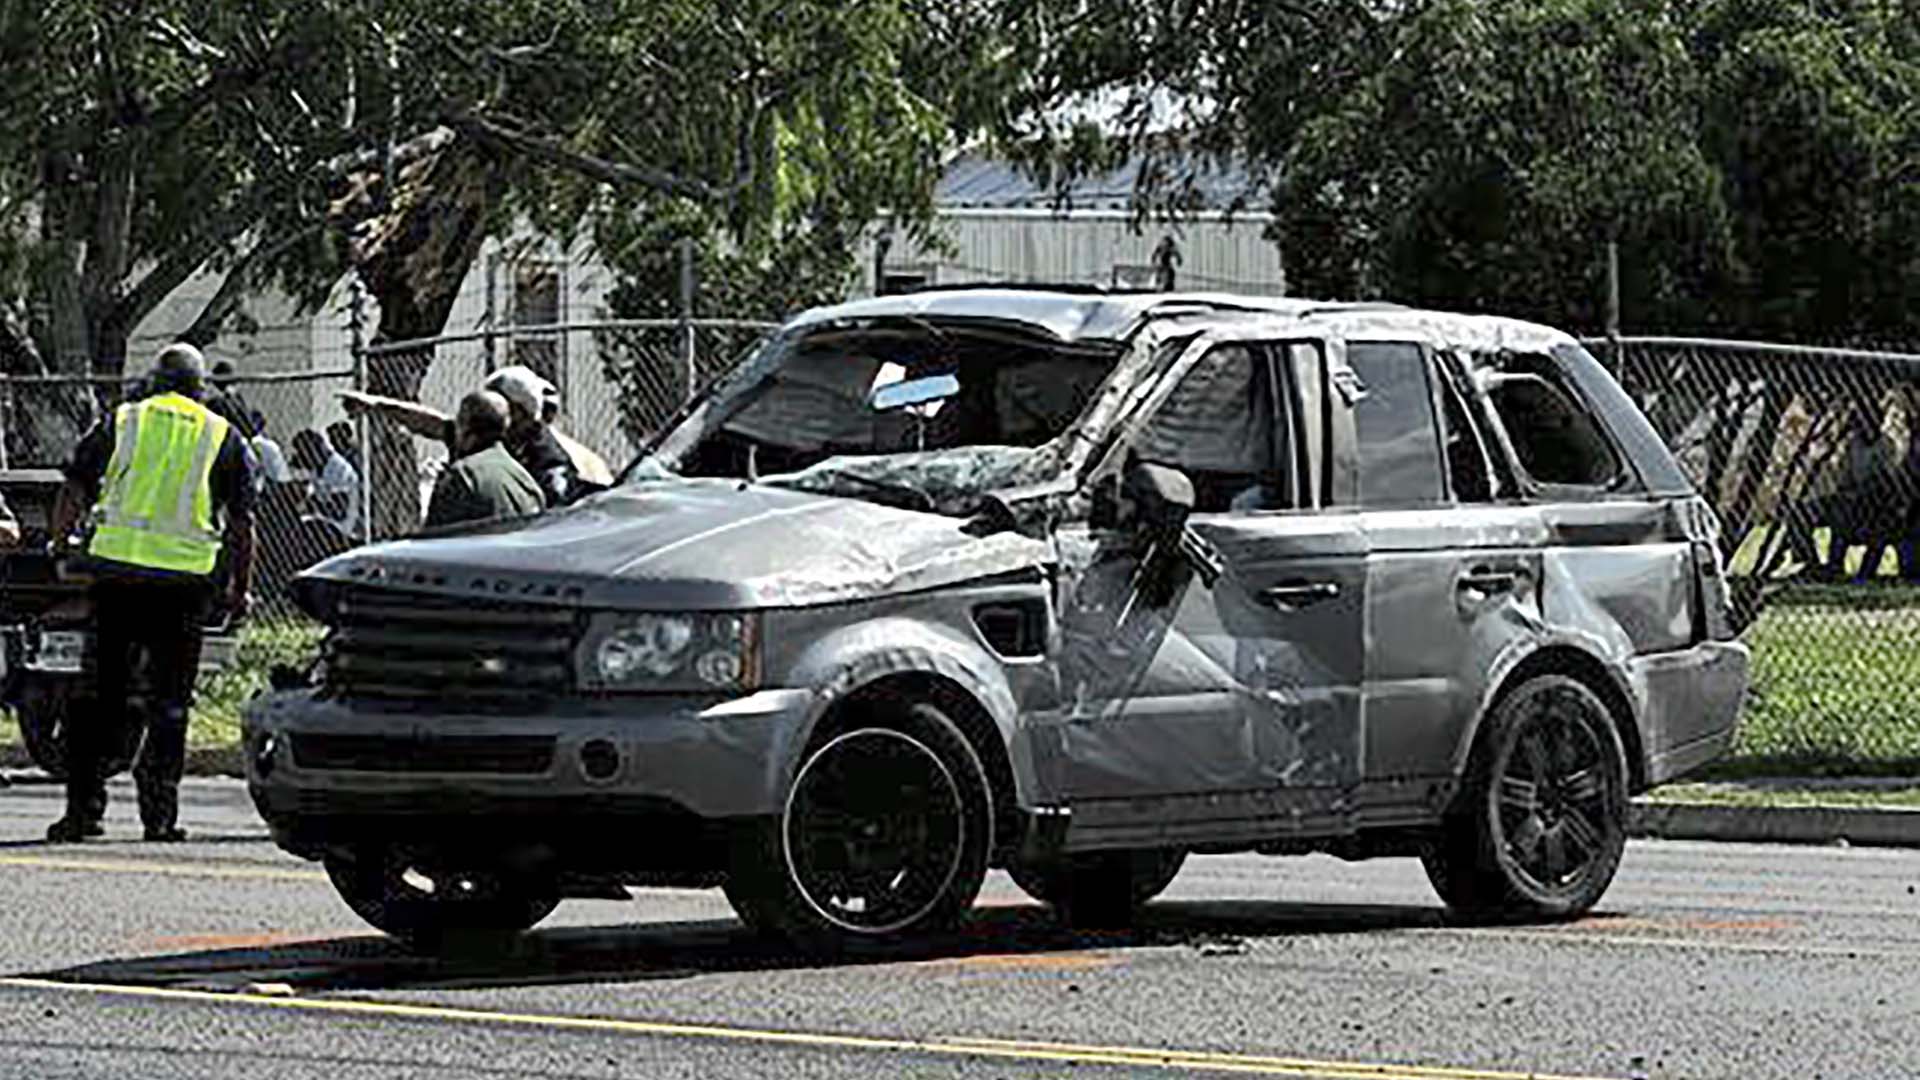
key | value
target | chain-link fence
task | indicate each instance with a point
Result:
(303, 496)
(1811, 456)
(617, 380)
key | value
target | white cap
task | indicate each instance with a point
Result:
(525, 389)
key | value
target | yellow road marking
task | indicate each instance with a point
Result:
(1003, 1049)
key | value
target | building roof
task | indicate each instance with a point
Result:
(977, 181)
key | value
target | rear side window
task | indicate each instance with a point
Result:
(1553, 435)
(1394, 425)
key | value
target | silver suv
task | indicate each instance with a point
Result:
(1068, 584)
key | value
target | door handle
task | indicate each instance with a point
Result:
(1299, 594)
(1481, 579)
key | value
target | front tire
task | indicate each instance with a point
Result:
(428, 907)
(46, 710)
(885, 834)
(1540, 825)
(1101, 889)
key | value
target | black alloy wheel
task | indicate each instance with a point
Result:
(875, 830)
(1541, 824)
(885, 832)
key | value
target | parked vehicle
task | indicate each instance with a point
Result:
(1070, 584)
(46, 635)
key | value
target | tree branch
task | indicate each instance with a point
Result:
(290, 52)
(553, 152)
(18, 352)
(240, 277)
(189, 254)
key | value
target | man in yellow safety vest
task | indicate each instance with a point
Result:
(159, 474)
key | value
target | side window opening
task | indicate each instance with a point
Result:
(1395, 428)
(1556, 440)
(1217, 427)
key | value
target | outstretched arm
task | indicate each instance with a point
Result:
(423, 420)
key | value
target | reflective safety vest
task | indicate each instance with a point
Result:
(156, 500)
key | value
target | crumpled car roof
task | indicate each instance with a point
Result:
(1112, 317)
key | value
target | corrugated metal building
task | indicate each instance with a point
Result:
(998, 224)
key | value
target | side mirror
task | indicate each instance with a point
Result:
(1162, 497)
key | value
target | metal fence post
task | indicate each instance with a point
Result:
(356, 336)
(6, 409)
(492, 318)
(1613, 304)
(686, 315)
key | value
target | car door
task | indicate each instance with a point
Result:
(1213, 702)
(1454, 562)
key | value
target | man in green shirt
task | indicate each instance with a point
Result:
(484, 481)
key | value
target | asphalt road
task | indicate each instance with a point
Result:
(224, 958)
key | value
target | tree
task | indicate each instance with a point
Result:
(1488, 161)
(1812, 119)
(147, 140)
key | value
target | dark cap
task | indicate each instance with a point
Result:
(180, 369)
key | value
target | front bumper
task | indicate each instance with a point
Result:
(1690, 705)
(402, 769)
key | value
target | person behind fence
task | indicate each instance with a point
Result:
(327, 500)
(483, 482)
(345, 442)
(160, 475)
(531, 438)
(224, 398)
(1860, 506)
(267, 454)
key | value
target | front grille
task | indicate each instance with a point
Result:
(410, 646)
(455, 754)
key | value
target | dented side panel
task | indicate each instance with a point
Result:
(1450, 591)
(1232, 688)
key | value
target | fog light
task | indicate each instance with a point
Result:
(263, 756)
(600, 759)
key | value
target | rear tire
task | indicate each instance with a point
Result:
(1539, 828)
(1102, 889)
(885, 834)
(431, 907)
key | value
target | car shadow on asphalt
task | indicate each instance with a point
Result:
(688, 949)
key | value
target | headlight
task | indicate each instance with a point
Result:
(650, 651)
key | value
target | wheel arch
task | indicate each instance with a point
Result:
(858, 668)
(1561, 658)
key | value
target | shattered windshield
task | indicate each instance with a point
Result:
(800, 414)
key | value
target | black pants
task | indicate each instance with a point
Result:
(164, 621)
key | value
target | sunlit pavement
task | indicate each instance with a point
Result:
(224, 957)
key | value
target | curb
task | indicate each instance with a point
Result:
(1841, 825)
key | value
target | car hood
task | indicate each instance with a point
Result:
(691, 544)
